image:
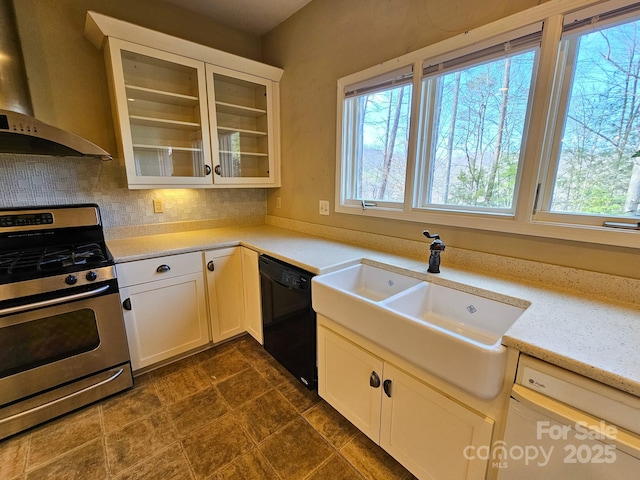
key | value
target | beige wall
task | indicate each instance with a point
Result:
(67, 74)
(68, 85)
(329, 39)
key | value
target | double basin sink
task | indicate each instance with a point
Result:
(450, 333)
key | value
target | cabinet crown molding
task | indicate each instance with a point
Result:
(98, 27)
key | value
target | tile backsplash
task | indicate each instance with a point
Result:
(39, 180)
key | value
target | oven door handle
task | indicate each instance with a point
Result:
(53, 301)
(62, 399)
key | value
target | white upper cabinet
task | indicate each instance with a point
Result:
(161, 110)
(243, 130)
(189, 116)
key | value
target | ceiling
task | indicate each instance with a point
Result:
(252, 16)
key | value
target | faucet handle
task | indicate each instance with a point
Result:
(437, 244)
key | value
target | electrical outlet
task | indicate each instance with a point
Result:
(278, 202)
(324, 207)
(157, 205)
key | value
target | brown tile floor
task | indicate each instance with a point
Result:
(230, 412)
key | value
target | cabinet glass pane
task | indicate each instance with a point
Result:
(241, 114)
(164, 116)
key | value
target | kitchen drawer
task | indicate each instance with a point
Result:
(142, 271)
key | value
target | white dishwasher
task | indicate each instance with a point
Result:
(562, 425)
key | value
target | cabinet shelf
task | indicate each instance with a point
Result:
(165, 147)
(233, 109)
(135, 92)
(161, 122)
(249, 133)
(244, 154)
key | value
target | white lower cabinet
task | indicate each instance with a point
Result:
(164, 307)
(225, 292)
(346, 374)
(252, 299)
(420, 427)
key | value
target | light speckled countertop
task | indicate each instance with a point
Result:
(596, 337)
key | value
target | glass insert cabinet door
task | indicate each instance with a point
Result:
(241, 117)
(162, 110)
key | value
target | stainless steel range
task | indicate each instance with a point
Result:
(62, 337)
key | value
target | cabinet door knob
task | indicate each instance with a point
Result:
(211, 266)
(374, 380)
(386, 386)
(207, 169)
(127, 304)
(163, 268)
(217, 169)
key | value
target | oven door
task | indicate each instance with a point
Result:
(42, 348)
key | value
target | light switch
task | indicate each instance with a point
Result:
(157, 205)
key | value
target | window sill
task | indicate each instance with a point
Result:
(505, 224)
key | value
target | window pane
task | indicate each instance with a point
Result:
(480, 115)
(377, 125)
(596, 172)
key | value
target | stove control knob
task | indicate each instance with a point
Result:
(91, 276)
(71, 280)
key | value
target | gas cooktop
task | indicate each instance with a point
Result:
(52, 260)
(37, 242)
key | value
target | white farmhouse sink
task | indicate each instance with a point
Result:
(453, 334)
(470, 316)
(369, 282)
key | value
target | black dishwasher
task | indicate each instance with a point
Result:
(288, 321)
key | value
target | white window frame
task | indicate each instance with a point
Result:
(426, 129)
(348, 168)
(550, 159)
(522, 221)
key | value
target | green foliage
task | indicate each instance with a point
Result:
(479, 114)
(470, 190)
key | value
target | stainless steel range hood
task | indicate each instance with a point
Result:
(20, 132)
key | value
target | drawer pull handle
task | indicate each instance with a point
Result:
(374, 380)
(211, 266)
(127, 304)
(163, 268)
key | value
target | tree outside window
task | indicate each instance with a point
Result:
(598, 169)
(481, 114)
(382, 121)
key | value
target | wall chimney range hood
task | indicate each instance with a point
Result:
(20, 132)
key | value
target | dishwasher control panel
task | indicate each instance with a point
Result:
(585, 394)
(294, 279)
